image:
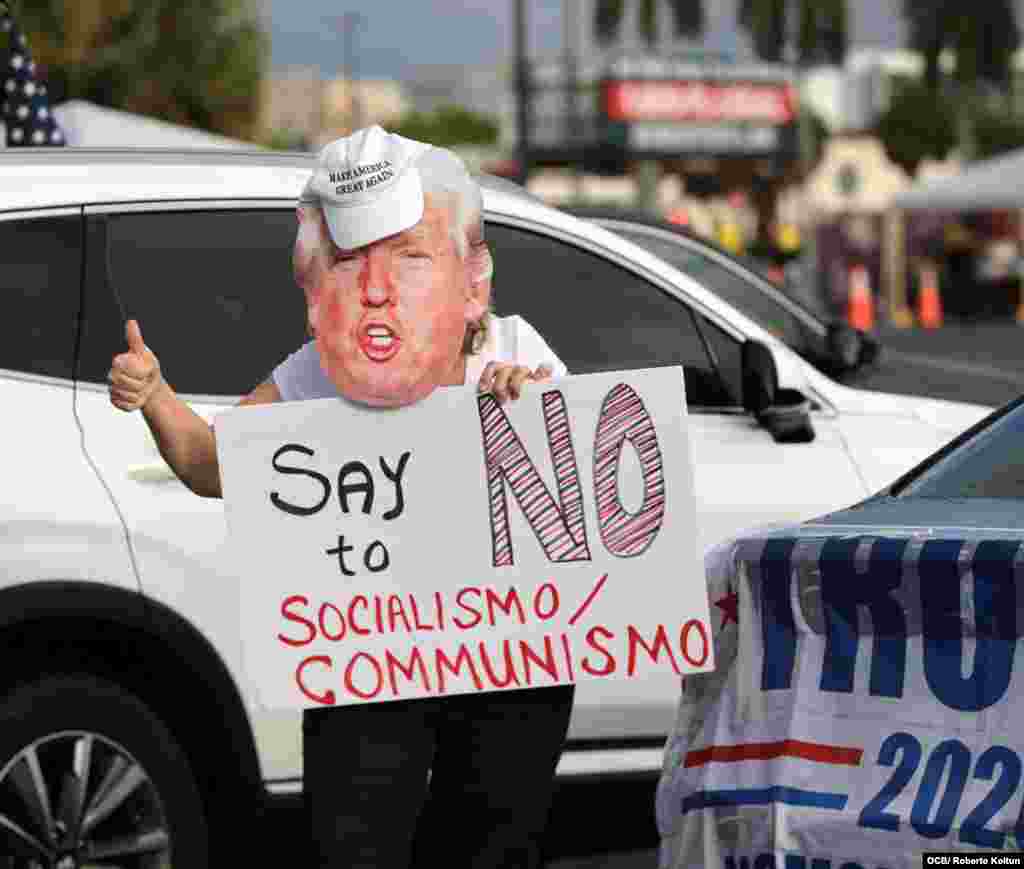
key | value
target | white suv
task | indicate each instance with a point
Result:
(127, 724)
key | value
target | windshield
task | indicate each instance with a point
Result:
(986, 462)
(733, 286)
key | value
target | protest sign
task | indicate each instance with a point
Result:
(865, 706)
(459, 545)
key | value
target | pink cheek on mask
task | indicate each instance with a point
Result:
(323, 300)
(329, 316)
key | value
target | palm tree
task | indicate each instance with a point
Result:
(688, 18)
(765, 20)
(982, 42)
(928, 35)
(821, 32)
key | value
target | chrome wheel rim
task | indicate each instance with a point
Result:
(78, 800)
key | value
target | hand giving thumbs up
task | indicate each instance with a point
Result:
(135, 375)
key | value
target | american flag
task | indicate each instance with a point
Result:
(26, 108)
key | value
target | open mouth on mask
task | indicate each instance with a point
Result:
(378, 341)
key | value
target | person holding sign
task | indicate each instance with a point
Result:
(391, 256)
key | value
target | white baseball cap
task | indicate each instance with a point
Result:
(367, 186)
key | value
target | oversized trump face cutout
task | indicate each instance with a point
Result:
(310, 258)
(390, 318)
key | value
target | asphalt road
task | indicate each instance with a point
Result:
(981, 363)
(589, 827)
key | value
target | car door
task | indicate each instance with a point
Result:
(212, 290)
(599, 315)
(56, 521)
(736, 285)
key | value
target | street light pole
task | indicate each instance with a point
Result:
(573, 139)
(347, 23)
(523, 95)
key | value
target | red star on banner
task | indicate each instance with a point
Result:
(729, 605)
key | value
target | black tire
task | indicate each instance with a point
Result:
(48, 717)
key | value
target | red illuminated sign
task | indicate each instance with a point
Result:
(700, 101)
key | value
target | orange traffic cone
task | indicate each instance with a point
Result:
(929, 304)
(860, 307)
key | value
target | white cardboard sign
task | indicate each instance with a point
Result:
(459, 545)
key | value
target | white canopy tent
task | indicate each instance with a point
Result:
(989, 185)
(87, 125)
(993, 184)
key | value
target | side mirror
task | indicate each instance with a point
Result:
(760, 376)
(849, 350)
(785, 413)
(870, 351)
(789, 419)
(845, 346)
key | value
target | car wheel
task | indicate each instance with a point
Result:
(89, 776)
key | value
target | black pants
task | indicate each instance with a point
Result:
(491, 759)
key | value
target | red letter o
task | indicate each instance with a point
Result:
(323, 627)
(684, 640)
(555, 602)
(350, 686)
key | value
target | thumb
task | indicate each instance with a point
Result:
(134, 335)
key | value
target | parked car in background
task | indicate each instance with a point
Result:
(793, 314)
(870, 712)
(128, 725)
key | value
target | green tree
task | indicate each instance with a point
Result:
(919, 123)
(821, 28)
(982, 42)
(922, 123)
(927, 34)
(822, 36)
(200, 63)
(995, 134)
(448, 125)
(687, 17)
(765, 21)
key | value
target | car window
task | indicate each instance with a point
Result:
(212, 290)
(726, 355)
(40, 275)
(739, 291)
(597, 315)
(988, 465)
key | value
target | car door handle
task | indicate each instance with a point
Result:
(151, 472)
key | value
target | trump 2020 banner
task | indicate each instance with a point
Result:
(459, 545)
(866, 708)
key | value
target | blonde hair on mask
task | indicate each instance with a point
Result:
(446, 181)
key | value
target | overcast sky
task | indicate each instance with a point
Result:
(397, 35)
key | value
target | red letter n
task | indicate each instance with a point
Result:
(562, 532)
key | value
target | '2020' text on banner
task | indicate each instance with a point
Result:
(459, 545)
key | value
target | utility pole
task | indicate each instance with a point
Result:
(573, 139)
(347, 23)
(523, 95)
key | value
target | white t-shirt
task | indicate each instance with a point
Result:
(509, 339)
